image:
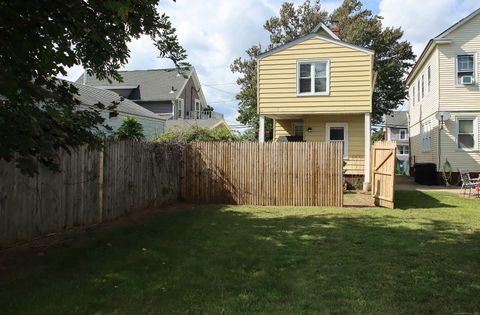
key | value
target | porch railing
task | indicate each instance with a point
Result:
(202, 114)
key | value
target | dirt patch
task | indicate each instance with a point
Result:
(356, 199)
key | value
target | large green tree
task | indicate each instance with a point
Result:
(393, 57)
(42, 39)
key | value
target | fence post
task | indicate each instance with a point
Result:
(100, 182)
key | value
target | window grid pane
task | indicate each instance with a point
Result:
(305, 71)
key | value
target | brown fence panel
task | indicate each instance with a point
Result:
(93, 186)
(289, 174)
(383, 173)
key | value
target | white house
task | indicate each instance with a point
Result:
(445, 80)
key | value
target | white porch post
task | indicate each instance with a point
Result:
(366, 182)
(261, 129)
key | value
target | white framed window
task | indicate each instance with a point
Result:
(402, 150)
(467, 133)
(402, 134)
(465, 67)
(198, 105)
(338, 132)
(426, 131)
(313, 77)
(413, 95)
(423, 86)
(429, 79)
(180, 108)
(418, 89)
(297, 128)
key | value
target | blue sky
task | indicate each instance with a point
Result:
(215, 32)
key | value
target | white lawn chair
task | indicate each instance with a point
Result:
(467, 182)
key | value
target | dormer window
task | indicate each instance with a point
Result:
(465, 67)
(313, 77)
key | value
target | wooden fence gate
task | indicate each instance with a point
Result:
(383, 173)
(290, 174)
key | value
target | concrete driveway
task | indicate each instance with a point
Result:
(407, 183)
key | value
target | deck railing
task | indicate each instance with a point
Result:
(202, 114)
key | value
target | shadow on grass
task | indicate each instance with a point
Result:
(418, 200)
(238, 260)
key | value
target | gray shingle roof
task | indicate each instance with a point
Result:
(89, 96)
(397, 119)
(155, 84)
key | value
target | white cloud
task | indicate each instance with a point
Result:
(422, 20)
(215, 32)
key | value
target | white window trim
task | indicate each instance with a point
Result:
(295, 124)
(475, 132)
(400, 134)
(419, 94)
(429, 131)
(181, 104)
(345, 142)
(475, 68)
(404, 146)
(197, 101)
(429, 79)
(413, 95)
(312, 77)
(423, 85)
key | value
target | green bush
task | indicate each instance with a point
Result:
(195, 133)
(130, 129)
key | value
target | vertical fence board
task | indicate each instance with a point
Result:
(135, 176)
(304, 174)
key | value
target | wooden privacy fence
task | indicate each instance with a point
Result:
(383, 173)
(294, 174)
(93, 186)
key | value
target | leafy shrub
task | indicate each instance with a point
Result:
(196, 134)
(130, 129)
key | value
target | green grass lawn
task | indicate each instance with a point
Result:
(421, 258)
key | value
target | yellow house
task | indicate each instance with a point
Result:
(319, 88)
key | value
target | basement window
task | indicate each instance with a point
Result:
(313, 77)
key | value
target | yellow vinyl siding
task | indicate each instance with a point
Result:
(356, 139)
(350, 80)
(283, 127)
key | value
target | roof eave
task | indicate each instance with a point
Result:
(310, 36)
(432, 44)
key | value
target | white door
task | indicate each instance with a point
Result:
(338, 132)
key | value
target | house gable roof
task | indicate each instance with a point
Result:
(89, 96)
(154, 85)
(439, 39)
(396, 120)
(458, 24)
(320, 26)
(316, 36)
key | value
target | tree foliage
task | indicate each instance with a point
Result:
(378, 135)
(393, 57)
(130, 129)
(196, 133)
(42, 39)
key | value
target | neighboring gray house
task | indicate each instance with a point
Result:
(178, 97)
(152, 123)
(396, 129)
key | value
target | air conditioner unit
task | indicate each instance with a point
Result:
(467, 80)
